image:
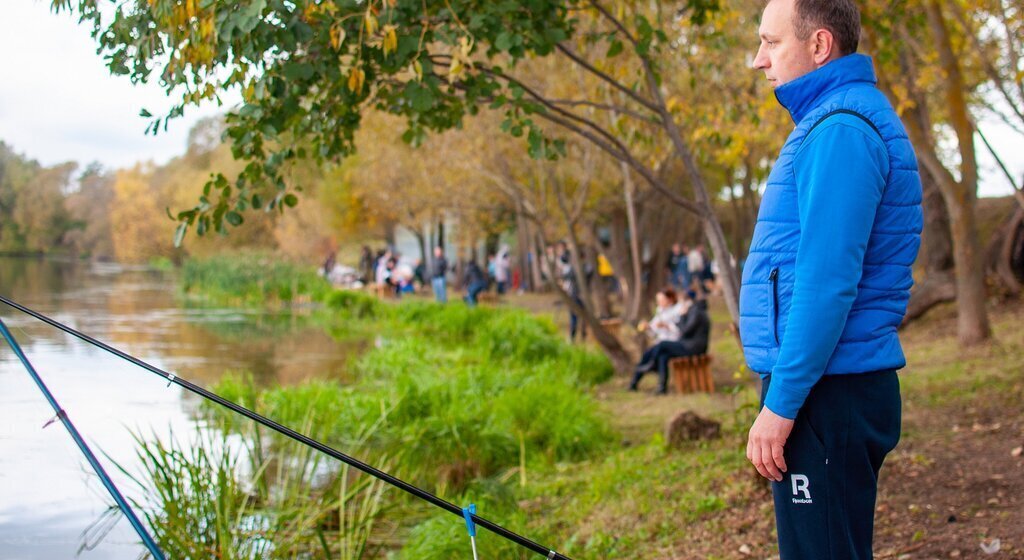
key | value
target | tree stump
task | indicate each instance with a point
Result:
(687, 426)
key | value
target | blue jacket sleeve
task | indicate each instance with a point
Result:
(841, 170)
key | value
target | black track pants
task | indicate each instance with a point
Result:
(825, 504)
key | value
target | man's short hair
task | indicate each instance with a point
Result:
(840, 17)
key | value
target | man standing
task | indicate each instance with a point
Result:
(438, 270)
(827, 282)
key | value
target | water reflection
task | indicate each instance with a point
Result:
(47, 497)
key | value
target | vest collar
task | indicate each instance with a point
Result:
(803, 94)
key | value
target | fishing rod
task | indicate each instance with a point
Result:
(147, 539)
(305, 440)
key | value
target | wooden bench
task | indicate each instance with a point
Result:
(611, 323)
(487, 296)
(692, 374)
(383, 291)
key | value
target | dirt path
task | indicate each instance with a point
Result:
(954, 487)
(957, 485)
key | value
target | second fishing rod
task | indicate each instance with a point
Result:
(290, 433)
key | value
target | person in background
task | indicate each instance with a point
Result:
(438, 276)
(707, 275)
(419, 273)
(502, 268)
(695, 268)
(475, 282)
(664, 326)
(366, 265)
(694, 328)
(678, 272)
(567, 277)
(381, 271)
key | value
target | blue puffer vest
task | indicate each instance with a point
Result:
(869, 341)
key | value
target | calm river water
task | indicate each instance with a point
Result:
(49, 499)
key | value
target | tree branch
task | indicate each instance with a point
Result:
(605, 77)
(604, 107)
(957, 104)
(990, 69)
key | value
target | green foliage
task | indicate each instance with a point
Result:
(441, 404)
(353, 304)
(251, 278)
(452, 405)
(309, 70)
(206, 499)
(194, 503)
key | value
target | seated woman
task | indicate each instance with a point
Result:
(693, 329)
(663, 327)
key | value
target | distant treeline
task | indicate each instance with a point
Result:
(122, 215)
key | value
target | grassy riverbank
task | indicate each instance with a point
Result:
(450, 398)
(491, 406)
(251, 279)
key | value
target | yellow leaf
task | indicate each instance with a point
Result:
(337, 36)
(355, 80)
(418, 69)
(390, 39)
(370, 22)
(309, 12)
(465, 46)
(454, 69)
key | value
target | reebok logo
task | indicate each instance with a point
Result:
(801, 487)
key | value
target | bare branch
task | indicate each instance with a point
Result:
(615, 22)
(604, 107)
(625, 156)
(605, 77)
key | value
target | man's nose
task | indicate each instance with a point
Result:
(761, 61)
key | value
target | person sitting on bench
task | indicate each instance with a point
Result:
(694, 330)
(664, 325)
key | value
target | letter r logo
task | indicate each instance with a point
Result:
(801, 485)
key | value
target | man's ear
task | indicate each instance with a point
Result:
(824, 47)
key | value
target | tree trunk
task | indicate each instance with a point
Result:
(939, 287)
(430, 243)
(938, 284)
(972, 317)
(390, 234)
(622, 262)
(632, 310)
(1004, 252)
(620, 358)
(960, 196)
(421, 240)
(522, 249)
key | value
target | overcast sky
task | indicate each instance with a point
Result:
(58, 102)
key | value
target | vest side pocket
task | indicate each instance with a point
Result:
(773, 278)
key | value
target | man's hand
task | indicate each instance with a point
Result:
(767, 438)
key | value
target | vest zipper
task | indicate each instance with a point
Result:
(774, 278)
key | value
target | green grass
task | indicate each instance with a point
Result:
(490, 406)
(251, 279)
(466, 403)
